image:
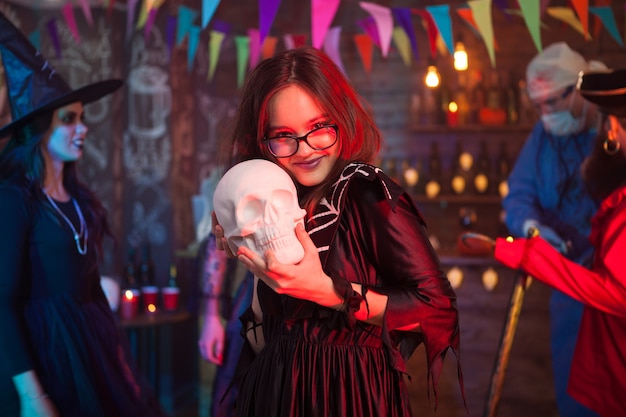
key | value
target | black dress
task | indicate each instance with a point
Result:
(55, 319)
(320, 362)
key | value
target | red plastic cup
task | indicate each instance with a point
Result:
(129, 304)
(149, 294)
(170, 298)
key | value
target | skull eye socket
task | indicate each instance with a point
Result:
(282, 199)
(250, 210)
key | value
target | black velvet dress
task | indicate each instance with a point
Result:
(55, 319)
(320, 362)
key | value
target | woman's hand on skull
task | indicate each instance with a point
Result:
(305, 280)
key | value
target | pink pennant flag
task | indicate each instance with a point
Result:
(149, 23)
(384, 22)
(267, 14)
(288, 41)
(255, 47)
(84, 4)
(322, 15)
(331, 46)
(68, 14)
(130, 16)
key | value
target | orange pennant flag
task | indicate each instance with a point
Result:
(582, 10)
(269, 47)
(466, 14)
(365, 46)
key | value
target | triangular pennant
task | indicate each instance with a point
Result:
(431, 29)
(267, 14)
(186, 16)
(68, 14)
(365, 46)
(215, 46)
(84, 5)
(149, 24)
(54, 36)
(531, 12)
(288, 41)
(331, 46)
(192, 47)
(208, 10)
(268, 49)
(566, 15)
(369, 27)
(481, 10)
(605, 14)
(384, 23)
(322, 15)
(403, 44)
(170, 30)
(582, 10)
(299, 40)
(242, 46)
(403, 17)
(131, 6)
(441, 17)
(255, 47)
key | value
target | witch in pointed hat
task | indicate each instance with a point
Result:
(62, 353)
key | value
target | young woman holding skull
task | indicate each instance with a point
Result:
(339, 325)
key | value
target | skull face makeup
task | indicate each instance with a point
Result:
(256, 203)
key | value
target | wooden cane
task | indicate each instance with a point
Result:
(506, 340)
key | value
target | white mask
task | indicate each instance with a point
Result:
(256, 203)
(563, 123)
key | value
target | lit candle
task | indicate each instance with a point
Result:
(453, 114)
(129, 305)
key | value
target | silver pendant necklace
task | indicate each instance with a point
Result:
(83, 228)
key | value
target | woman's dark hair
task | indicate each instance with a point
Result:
(601, 172)
(316, 73)
(22, 162)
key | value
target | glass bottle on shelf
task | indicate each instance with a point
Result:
(502, 171)
(482, 174)
(391, 169)
(429, 108)
(511, 98)
(493, 113)
(461, 99)
(146, 268)
(412, 176)
(526, 110)
(432, 187)
(130, 270)
(172, 280)
(477, 97)
(461, 172)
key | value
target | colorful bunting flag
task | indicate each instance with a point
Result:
(582, 10)
(186, 16)
(605, 14)
(192, 47)
(331, 46)
(68, 14)
(384, 23)
(242, 46)
(365, 46)
(216, 40)
(531, 12)
(441, 16)
(208, 10)
(403, 44)
(268, 49)
(481, 10)
(402, 15)
(322, 15)
(267, 14)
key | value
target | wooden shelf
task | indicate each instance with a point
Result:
(476, 128)
(458, 199)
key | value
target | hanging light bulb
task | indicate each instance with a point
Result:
(432, 77)
(460, 57)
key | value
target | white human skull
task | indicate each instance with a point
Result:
(256, 203)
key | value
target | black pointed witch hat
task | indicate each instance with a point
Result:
(33, 85)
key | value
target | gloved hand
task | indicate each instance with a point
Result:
(547, 234)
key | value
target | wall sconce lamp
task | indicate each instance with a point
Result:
(432, 77)
(460, 57)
